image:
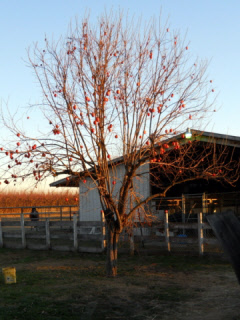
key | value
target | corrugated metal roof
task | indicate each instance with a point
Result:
(205, 136)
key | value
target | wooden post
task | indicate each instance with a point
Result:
(204, 204)
(204, 209)
(131, 234)
(23, 231)
(183, 209)
(200, 234)
(183, 212)
(79, 211)
(167, 231)
(131, 242)
(226, 227)
(48, 239)
(104, 241)
(1, 235)
(61, 216)
(75, 237)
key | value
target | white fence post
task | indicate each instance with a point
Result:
(47, 228)
(23, 231)
(167, 231)
(104, 241)
(131, 242)
(75, 238)
(1, 234)
(200, 234)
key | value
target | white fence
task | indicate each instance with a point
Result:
(55, 229)
(180, 236)
(173, 236)
(55, 233)
(41, 235)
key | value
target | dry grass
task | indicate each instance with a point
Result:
(63, 285)
(36, 199)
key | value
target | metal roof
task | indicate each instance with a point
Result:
(205, 136)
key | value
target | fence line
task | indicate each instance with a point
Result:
(200, 226)
(90, 236)
(55, 212)
(19, 231)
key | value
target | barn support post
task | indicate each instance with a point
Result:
(23, 230)
(204, 208)
(166, 225)
(47, 228)
(103, 227)
(183, 212)
(183, 209)
(1, 234)
(200, 234)
(75, 238)
(204, 204)
(61, 216)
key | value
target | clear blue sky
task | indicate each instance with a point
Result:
(213, 29)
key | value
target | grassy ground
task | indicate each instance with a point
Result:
(55, 285)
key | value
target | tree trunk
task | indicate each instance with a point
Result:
(112, 242)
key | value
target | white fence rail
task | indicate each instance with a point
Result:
(55, 233)
(54, 212)
(176, 236)
(55, 230)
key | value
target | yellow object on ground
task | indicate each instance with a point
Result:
(9, 275)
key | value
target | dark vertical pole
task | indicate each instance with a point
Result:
(226, 226)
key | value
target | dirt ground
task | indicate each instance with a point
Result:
(216, 295)
(149, 287)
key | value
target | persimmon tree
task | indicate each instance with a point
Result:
(113, 93)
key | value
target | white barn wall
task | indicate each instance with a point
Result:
(141, 182)
(90, 206)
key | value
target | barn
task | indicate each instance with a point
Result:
(183, 201)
